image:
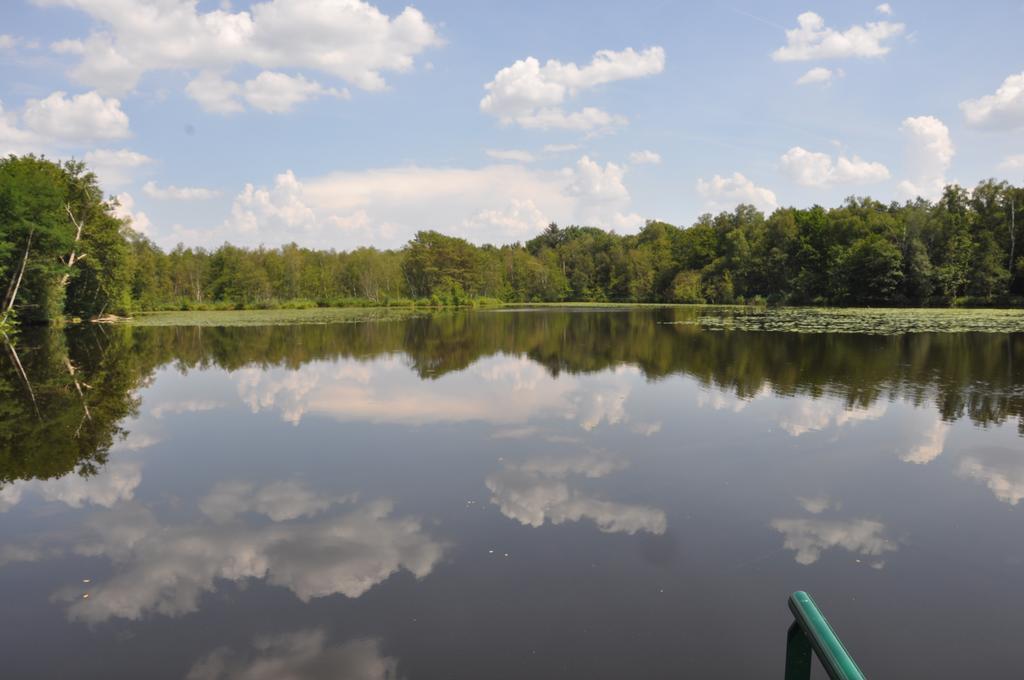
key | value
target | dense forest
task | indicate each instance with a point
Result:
(64, 253)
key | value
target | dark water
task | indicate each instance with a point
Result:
(531, 494)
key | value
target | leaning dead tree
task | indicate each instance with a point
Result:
(15, 284)
(74, 256)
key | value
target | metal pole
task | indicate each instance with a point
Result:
(811, 630)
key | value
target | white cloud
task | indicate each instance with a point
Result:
(386, 206)
(725, 193)
(506, 391)
(174, 193)
(136, 441)
(214, 93)
(1002, 470)
(519, 219)
(281, 209)
(603, 195)
(1015, 162)
(115, 167)
(280, 93)
(517, 155)
(814, 169)
(818, 74)
(560, 148)
(645, 157)
(801, 415)
(929, 155)
(304, 655)
(532, 96)
(8, 42)
(114, 482)
(138, 220)
(15, 139)
(815, 505)
(166, 568)
(811, 537)
(279, 501)
(270, 92)
(884, 8)
(931, 444)
(350, 40)
(813, 40)
(536, 492)
(185, 406)
(76, 119)
(1003, 110)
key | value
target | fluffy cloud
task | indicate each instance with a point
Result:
(818, 74)
(1003, 110)
(13, 138)
(214, 93)
(185, 406)
(536, 492)
(279, 93)
(270, 92)
(304, 654)
(930, 445)
(811, 39)
(813, 169)
(517, 220)
(532, 96)
(78, 118)
(725, 193)
(281, 209)
(811, 537)
(645, 157)
(115, 482)
(350, 40)
(815, 505)
(165, 569)
(507, 391)
(884, 8)
(517, 155)
(513, 391)
(280, 501)
(138, 220)
(805, 414)
(7, 42)
(1015, 162)
(493, 204)
(930, 153)
(174, 193)
(603, 197)
(1000, 468)
(115, 167)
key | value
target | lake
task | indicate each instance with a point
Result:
(541, 493)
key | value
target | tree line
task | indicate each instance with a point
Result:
(64, 252)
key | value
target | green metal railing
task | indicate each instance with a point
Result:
(811, 632)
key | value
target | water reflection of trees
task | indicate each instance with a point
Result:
(65, 395)
(63, 399)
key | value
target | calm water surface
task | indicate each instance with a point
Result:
(508, 494)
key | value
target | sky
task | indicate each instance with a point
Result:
(342, 123)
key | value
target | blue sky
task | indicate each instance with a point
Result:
(338, 123)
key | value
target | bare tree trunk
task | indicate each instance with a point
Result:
(13, 294)
(81, 395)
(1013, 234)
(22, 373)
(73, 257)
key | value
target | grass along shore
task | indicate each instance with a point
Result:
(875, 321)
